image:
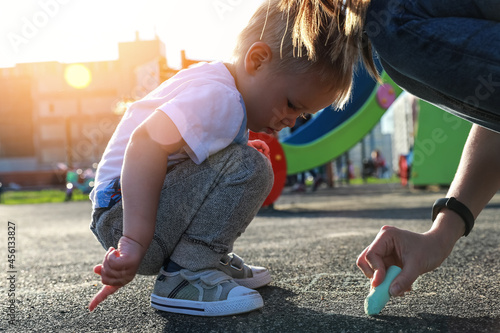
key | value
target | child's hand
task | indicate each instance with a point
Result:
(118, 268)
(260, 146)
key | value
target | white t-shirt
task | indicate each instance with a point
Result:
(204, 104)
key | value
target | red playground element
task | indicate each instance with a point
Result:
(404, 173)
(278, 161)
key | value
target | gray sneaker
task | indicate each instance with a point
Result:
(203, 293)
(245, 275)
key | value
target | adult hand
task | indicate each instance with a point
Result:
(118, 268)
(260, 146)
(415, 253)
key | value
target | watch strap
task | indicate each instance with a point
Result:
(456, 206)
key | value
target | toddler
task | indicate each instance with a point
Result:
(179, 180)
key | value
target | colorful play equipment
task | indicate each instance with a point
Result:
(79, 179)
(278, 162)
(438, 146)
(331, 132)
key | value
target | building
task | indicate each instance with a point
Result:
(49, 117)
(405, 110)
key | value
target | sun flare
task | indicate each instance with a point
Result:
(78, 76)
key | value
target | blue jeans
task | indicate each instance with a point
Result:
(446, 52)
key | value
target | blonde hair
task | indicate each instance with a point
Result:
(324, 37)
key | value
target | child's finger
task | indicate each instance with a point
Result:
(101, 296)
(97, 269)
(266, 149)
(111, 249)
(111, 260)
(112, 252)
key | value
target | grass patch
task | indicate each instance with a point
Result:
(59, 195)
(42, 196)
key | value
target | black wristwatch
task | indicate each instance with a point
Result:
(457, 207)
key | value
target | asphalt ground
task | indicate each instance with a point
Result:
(309, 243)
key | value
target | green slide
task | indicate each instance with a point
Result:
(303, 157)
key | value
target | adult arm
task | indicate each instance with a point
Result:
(143, 173)
(476, 181)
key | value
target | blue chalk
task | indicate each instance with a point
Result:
(379, 296)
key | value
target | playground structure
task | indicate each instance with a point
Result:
(331, 132)
(438, 146)
(82, 180)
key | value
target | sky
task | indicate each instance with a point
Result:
(71, 31)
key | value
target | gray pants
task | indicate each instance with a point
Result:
(202, 209)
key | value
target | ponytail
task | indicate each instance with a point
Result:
(334, 21)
